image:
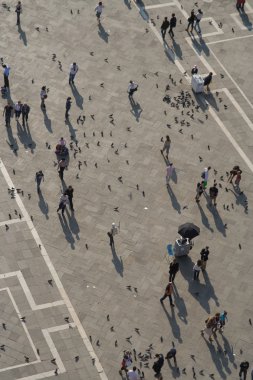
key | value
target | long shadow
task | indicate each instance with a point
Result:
(200, 99)
(169, 52)
(180, 304)
(211, 100)
(175, 372)
(204, 218)
(73, 225)
(117, 262)
(240, 198)
(47, 121)
(102, 33)
(173, 323)
(25, 137)
(217, 219)
(66, 230)
(43, 205)
(136, 109)
(12, 142)
(174, 201)
(177, 50)
(200, 46)
(77, 96)
(174, 176)
(22, 35)
(31, 144)
(229, 350)
(144, 14)
(216, 357)
(128, 4)
(72, 131)
(210, 290)
(245, 20)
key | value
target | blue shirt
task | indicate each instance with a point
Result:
(7, 71)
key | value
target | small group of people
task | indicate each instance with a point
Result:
(159, 362)
(194, 21)
(168, 24)
(214, 323)
(19, 109)
(66, 199)
(236, 173)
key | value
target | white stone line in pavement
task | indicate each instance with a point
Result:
(159, 5)
(229, 39)
(38, 376)
(231, 78)
(210, 110)
(11, 221)
(54, 275)
(26, 332)
(28, 293)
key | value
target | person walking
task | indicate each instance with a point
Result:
(68, 106)
(213, 192)
(63, 203)
(196, 270)
(198, 18)
(208, 80)
(6, 73)
(205, 175)
(72, 72)
(18, 10)
(233, 173)
(62, 166)
(199, 190)
(204, 253)
(210, 323)
(166, 146)
(238, 178)
(191, 20)
(158, 364)
(168, 293)
(7, 112)
(132, 374)
(132, 87)
(173, 24)
(174, 268)
(223, 320)
(171, 354)
(17, 109)
(99, 10)
(244, 366)
(126, 362)
(25, 109)
(39, 176)
(195, 70)
(69, 193)
(169, 172)
(111, 243)
(164, 27)
(43, 96)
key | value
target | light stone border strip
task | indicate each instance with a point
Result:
(55, 276)
(11, 221)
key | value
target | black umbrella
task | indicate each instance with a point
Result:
(188, 230)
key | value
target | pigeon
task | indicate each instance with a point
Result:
(233, 30)
(193, 357)
(98, 343)
(201, 372)
(53, 361)
(120, 179)
(9, 216)
(56, 372)
(116, 343)
(4, 326)
(200, 159)
(76, 358)
(38, 351)
(50, 282)
(250, 322)
(108, 317)
(161, 339)
(26, 359)
(71, 11)
(222, 76)
(143, 193)
(129, 287)
(66, 319)
(136, 290)
(109, 187)
(116, 209)
(23, 319)
(2, 347)
(137, 330)
(90, 338)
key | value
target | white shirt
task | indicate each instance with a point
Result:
(43, 93)
(99, 8)
(64, 199)
(18, 107)
(197, 268)
(133, 375)
(73, 69)
(132, 86)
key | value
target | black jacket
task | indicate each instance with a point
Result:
(165, 24)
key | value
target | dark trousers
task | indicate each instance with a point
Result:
(7, 119)
(61, 171)
(71, 203)
(6, 81)
(18, 18)
(244, 373)
(196, 274)
(163, 33)
(71, 78)
(190, 24)
(131, 92)
(17, 114)
(61, 207)
(38, 185)
(172, 277)
(67, 113)
(165, 296)
(24, 118)
(171, 33)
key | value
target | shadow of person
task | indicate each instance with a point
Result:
(144, 14)
(73, 225)
(200, 99)
(77, 96)
(200, 46)
(174, 201)
(211, 100)
(217, 219)
(173, 323)
(128, 4)
(102, 33)
(174, 175)
(245, 20)
(117, 262)
(12, 142)
(25, 137)
(43, 205)
(47, 121)
(204, 218)
(174, 369)
(216, 358)
(240, 198)
(177, 49)
(180, 304)
(210, 289)
(229, 351)
(31, 142)
(72, 131)
(66, 230)
(22, 35)
(136, 108)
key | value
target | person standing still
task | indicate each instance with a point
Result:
(166, 146)
(43, 96)
(174, 268)
(213, 193)
(18, 11)
(25, 109)
(62, 166)
(168, 293)
(68, 106)
(72, 72)
(69, 192)
(173, 24)
(204, 253)
(191, 20)
(132, 87)
(196, 270)
(63, 203)
(199, 16)
(99, 10)
(7, 113)
(208, 80)
(6, 73)
(39, 176)
(164, 27)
